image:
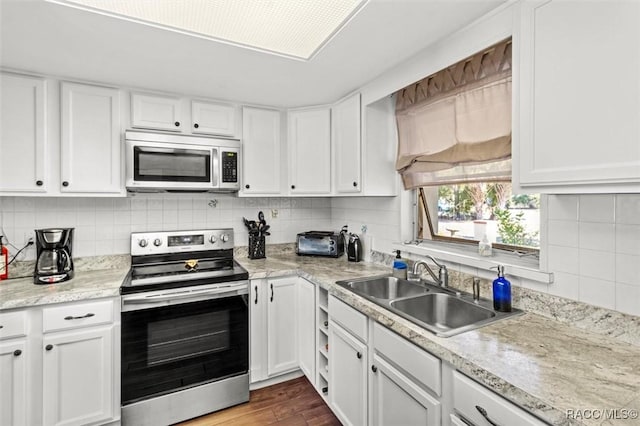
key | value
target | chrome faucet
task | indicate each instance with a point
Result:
(443, 275)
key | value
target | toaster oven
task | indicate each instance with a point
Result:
(319, 243)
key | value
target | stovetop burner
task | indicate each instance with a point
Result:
(164, 260)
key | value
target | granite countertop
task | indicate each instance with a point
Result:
(22, 292)
(538, 363)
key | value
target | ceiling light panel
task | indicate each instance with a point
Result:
(294, 28)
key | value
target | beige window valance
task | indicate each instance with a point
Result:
(455, 126)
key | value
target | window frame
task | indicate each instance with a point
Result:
(420, 229)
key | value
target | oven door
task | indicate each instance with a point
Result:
(171, 166)
(184, 340)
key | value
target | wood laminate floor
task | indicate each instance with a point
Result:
(292, 403)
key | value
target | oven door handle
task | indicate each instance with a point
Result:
(176, 297)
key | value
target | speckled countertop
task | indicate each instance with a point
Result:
(540, 364)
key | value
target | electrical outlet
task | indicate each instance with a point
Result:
(28, 237)
(274, 213)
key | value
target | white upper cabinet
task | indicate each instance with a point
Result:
(213, 119)
(310, 151)
(90, 139)
(577, 109)
(345, 133)
(156, 112)
(22, 134)
(261, 167)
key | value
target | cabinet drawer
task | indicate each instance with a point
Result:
(469, 398)
(348, 318)
(13, 324)
(77, 315)
(424, 367)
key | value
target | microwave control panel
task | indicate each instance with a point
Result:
(229, 166)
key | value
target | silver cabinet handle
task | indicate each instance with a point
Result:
(89, 315)
(486, 415)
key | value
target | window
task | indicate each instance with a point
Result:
(467, 212)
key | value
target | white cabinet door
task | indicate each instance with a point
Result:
(258, 331)
(347, 376)
(310, 151)
(213, 119)
(396, 399)
(90, 139)
(22, 134)
(261, 169)
(78, 376)
(578, 124)
(282, 342)
(345, 132)
(307, 328)
(156, 112)
(13, 383)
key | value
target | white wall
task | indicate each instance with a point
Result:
(103, 225)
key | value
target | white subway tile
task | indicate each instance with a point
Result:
(598, 292)
(628, 239)
(563, 233)
(154, 216)
(565, 285)
(563, 207)
(628, 299)
(169, 204)
(25, 219)
(85, 233)
(46, 219)
(138, 217)
(597, 264)
(597, 236)
(138, 204)
(597, 208)
(105, 217)
(84, 248)
(628, 269)
(24, 204)
(155, 204)
(103, 203)
(564, 259)
(104, 247)
(122, 246)
(628, 209)
(122, 217)
(7, 204)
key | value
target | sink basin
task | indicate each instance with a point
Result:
(386, 288)
(442, 311)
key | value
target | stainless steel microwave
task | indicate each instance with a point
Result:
(158, 162)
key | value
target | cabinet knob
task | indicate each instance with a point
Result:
(177, 123)
(17, 352)
(359, 355)
(196, 125)
(247, 186)
(39, 183)
(65, 183)
(48, 347)
(355, 184)
(293, 187)
(374, 368)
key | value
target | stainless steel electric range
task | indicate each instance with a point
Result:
(185, 327)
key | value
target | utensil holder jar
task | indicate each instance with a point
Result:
(257, 247)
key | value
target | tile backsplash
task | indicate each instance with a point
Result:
(103, 225)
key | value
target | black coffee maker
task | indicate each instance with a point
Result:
(54, 263)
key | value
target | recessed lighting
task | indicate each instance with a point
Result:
(292, 28)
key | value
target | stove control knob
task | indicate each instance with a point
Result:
(224, 238)
(142, 243)
(157, 242)
(212, 239)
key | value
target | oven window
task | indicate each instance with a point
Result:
(168, 348)
(181, 166)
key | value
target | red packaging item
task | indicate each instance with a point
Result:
(4, 261)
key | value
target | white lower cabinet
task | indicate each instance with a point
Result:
(78, 375)
(13, 383)
(59, 365)
(347, 376)
(274, 342)
(397, 399)
(479, 406)
(306, 328)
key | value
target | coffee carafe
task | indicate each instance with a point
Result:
(54, 263)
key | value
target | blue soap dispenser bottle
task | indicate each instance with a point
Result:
(501, 292)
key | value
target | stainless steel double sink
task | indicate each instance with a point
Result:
(442, 311)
